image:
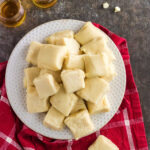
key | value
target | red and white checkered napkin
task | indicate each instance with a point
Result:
(126, 128)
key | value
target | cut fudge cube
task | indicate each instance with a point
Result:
(80, 105)
(89, 32)
(103, 143)
(80, 124)
(95, 89)
(97, 46)
(51, 57)
(71, 44)
(63, 101)
(101, 106)
(62, 34)
(24, 82)
(46, 85)
(54, 119)
(56, 74)
(74, 62)
(73, 80)
(33, 52)
(95, 65)
(110, 74)
(34, 103)
(30, 74)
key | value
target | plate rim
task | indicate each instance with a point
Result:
(8, 64)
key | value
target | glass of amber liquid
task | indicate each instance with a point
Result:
(44, 3)
(12, 13)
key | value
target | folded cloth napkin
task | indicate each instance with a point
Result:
(125, 129)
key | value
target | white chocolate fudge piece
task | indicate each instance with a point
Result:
(110, 74)
(24, 82)
(95, 65)
(103, 143)
(101, 106)
(30, 74)
(80, 105)
(51, 57)
(80, 124)
(95, 89)
(89, 32)
(63, 101)
(54, 119)
(34, 103)
(74, 62)
(62, 34)
(46, 85)
(71, 44)
(97, 46)
(73, 80)
(56, 74)
(33, 52)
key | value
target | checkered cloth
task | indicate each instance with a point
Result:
(126, 128)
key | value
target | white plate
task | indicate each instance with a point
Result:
(15, 72)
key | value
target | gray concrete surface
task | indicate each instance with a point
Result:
(133, 23)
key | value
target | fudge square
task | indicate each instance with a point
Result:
(46, 85)
(80, 124)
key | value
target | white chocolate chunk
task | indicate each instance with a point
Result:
(73, 80)
(101, 106)
(30, 74)
(80, 124)
(62, 34)
(105, 5)
(95, 65)
(80, 105)
(46, 85)
(89, 32)
(51, 57)
(34, 103)
(117, 9)
(95, 89)
(33, 52)
(71, 44)
(54, 119)
(63, 101)
(110, 74)
(56, 74)
(103, 143)
(97, 46)
(74, 62)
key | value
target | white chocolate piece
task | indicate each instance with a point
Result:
(95, 89)
(54, 119)
(62, 34)
(34, 103)
(33, 52)
(71, 44)
(56, 74)
(80, 124)
(51, 57)
(97, 46)
(74, 62)
(101, 106)
(117, 9)
(105, 5)
(95, 65)
(89, 32)
(30, 74)
(80, 105)
(103, 143)
(110, 74)
(73, 80)
(46, 85)
(63, 101)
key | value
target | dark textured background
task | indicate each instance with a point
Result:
(132, 23)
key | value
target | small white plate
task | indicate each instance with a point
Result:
(15, 72)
